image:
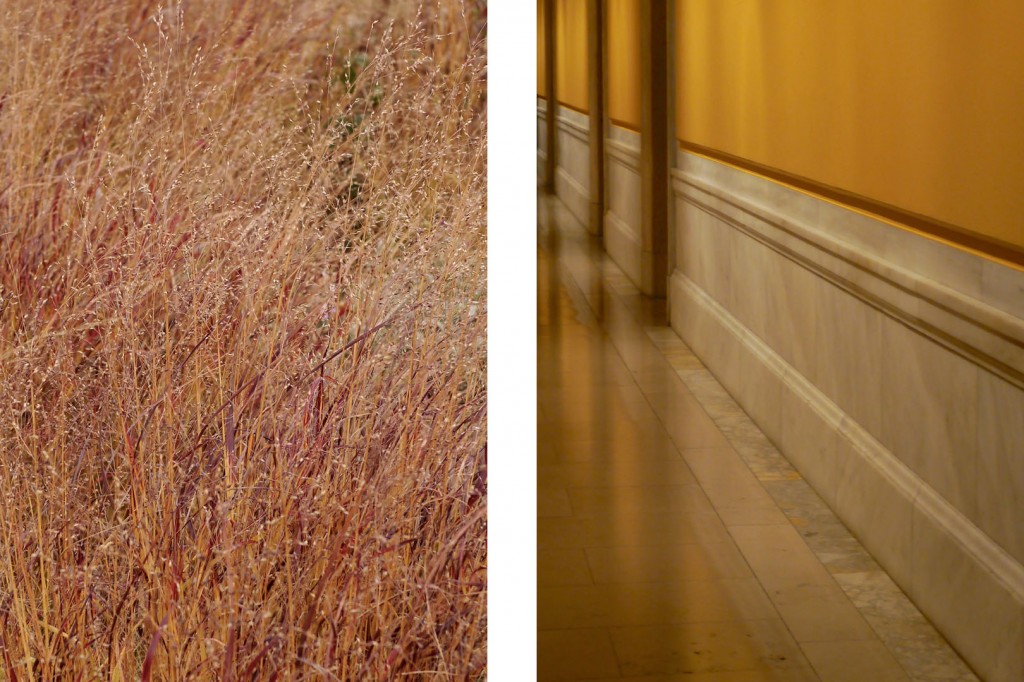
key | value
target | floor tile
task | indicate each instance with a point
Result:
(562, 567)
(607, 605)
(664, 563)
(706, 647)
(575, 655)
(786, 675)
(617, 473)
(780, 558)
(643, 527)
(820, 613)
(552, 501)
(555, 448)
(857, 661)
(604, 501)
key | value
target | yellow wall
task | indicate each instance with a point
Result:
(623, 28)
(542, 57)
(918, 104)
(571, 80)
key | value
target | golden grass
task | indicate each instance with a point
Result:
(242, 323)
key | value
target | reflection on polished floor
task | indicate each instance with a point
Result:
(674, 542)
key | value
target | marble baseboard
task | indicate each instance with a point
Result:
(622, 243)
(623, 216)
(888, 368)
(966, 584)
(572, 177)
(939, 388)
(574, 195)
(542, 137)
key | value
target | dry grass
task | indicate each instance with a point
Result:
(242, 322)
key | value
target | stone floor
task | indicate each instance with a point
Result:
(674, 541)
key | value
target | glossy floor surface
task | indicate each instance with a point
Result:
(674, 541)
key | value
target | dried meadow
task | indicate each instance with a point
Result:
(242, 340)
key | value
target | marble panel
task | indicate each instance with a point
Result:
(574, 156)
(622, 242)
(918, 276)
(693, 249)
(574, 194)
(810, 442)
(1002, 286)
(730, 352)
(878, 513)
(774, 200)
(906, 249)
(849, 355)
(889, 393)
(718, 240)
(575, 118)
(792, 308)
(572, 180)
(758, 386)
(704, 250)
(1000, 475)
(928, 257)
(625, 136)
(702, 332)
(971, 600)
(754, 278)
(929, 413)
(622, 187)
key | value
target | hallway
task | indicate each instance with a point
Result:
(674, 541)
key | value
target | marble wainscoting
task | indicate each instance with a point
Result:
(572, 177)
(888, 368)
(623, 216)
(542, 137)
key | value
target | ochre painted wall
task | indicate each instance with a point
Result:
(542, 57)
(917, 104)
(623, 59)
(571, 76)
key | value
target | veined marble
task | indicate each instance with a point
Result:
(542, 137)
(572, 177)
(888, 367)
(623, 217)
